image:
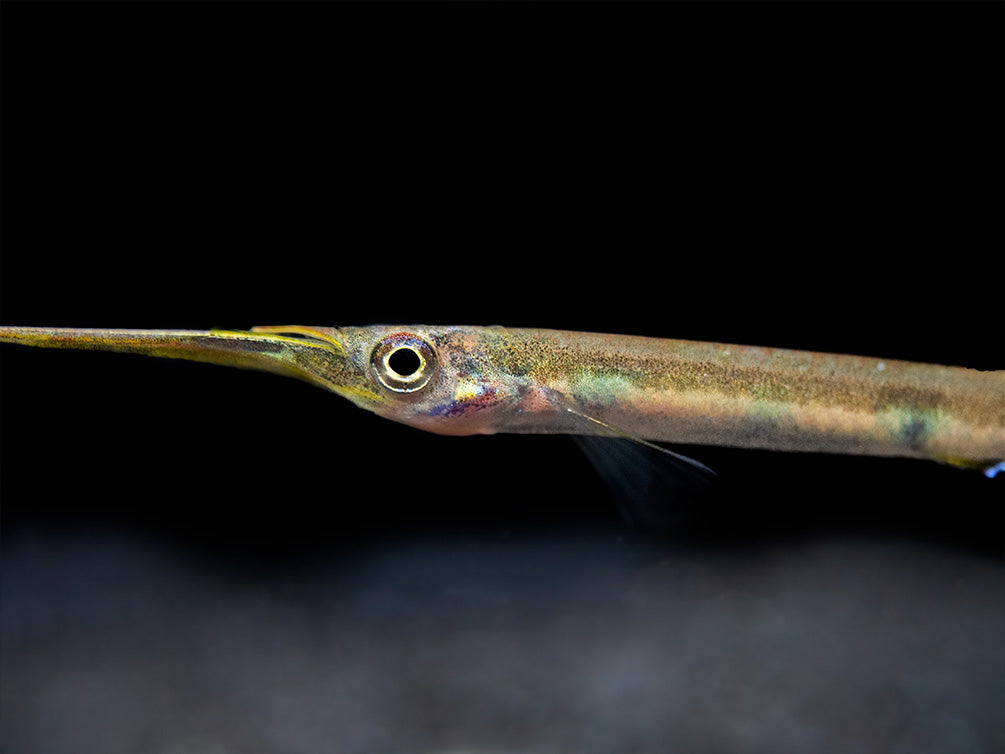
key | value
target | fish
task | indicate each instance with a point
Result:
(466, 380)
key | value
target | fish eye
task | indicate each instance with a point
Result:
(404, 362)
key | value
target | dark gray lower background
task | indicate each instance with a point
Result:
(584, 642)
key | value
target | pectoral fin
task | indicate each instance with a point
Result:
(653, 486)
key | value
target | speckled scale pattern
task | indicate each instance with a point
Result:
(496, 379)
(683, 391)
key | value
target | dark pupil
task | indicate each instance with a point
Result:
(404, 361)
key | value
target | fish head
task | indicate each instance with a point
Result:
(447, 380)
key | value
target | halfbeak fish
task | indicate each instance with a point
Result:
(482, 380)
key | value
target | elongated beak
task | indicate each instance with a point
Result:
(314, 354)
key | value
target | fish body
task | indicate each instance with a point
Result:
(462, 380)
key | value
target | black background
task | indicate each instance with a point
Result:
(819, 177)
(822, 176)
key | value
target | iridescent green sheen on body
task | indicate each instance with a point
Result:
(494, 379)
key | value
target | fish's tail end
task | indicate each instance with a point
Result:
(992, 471)
(989, 468)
